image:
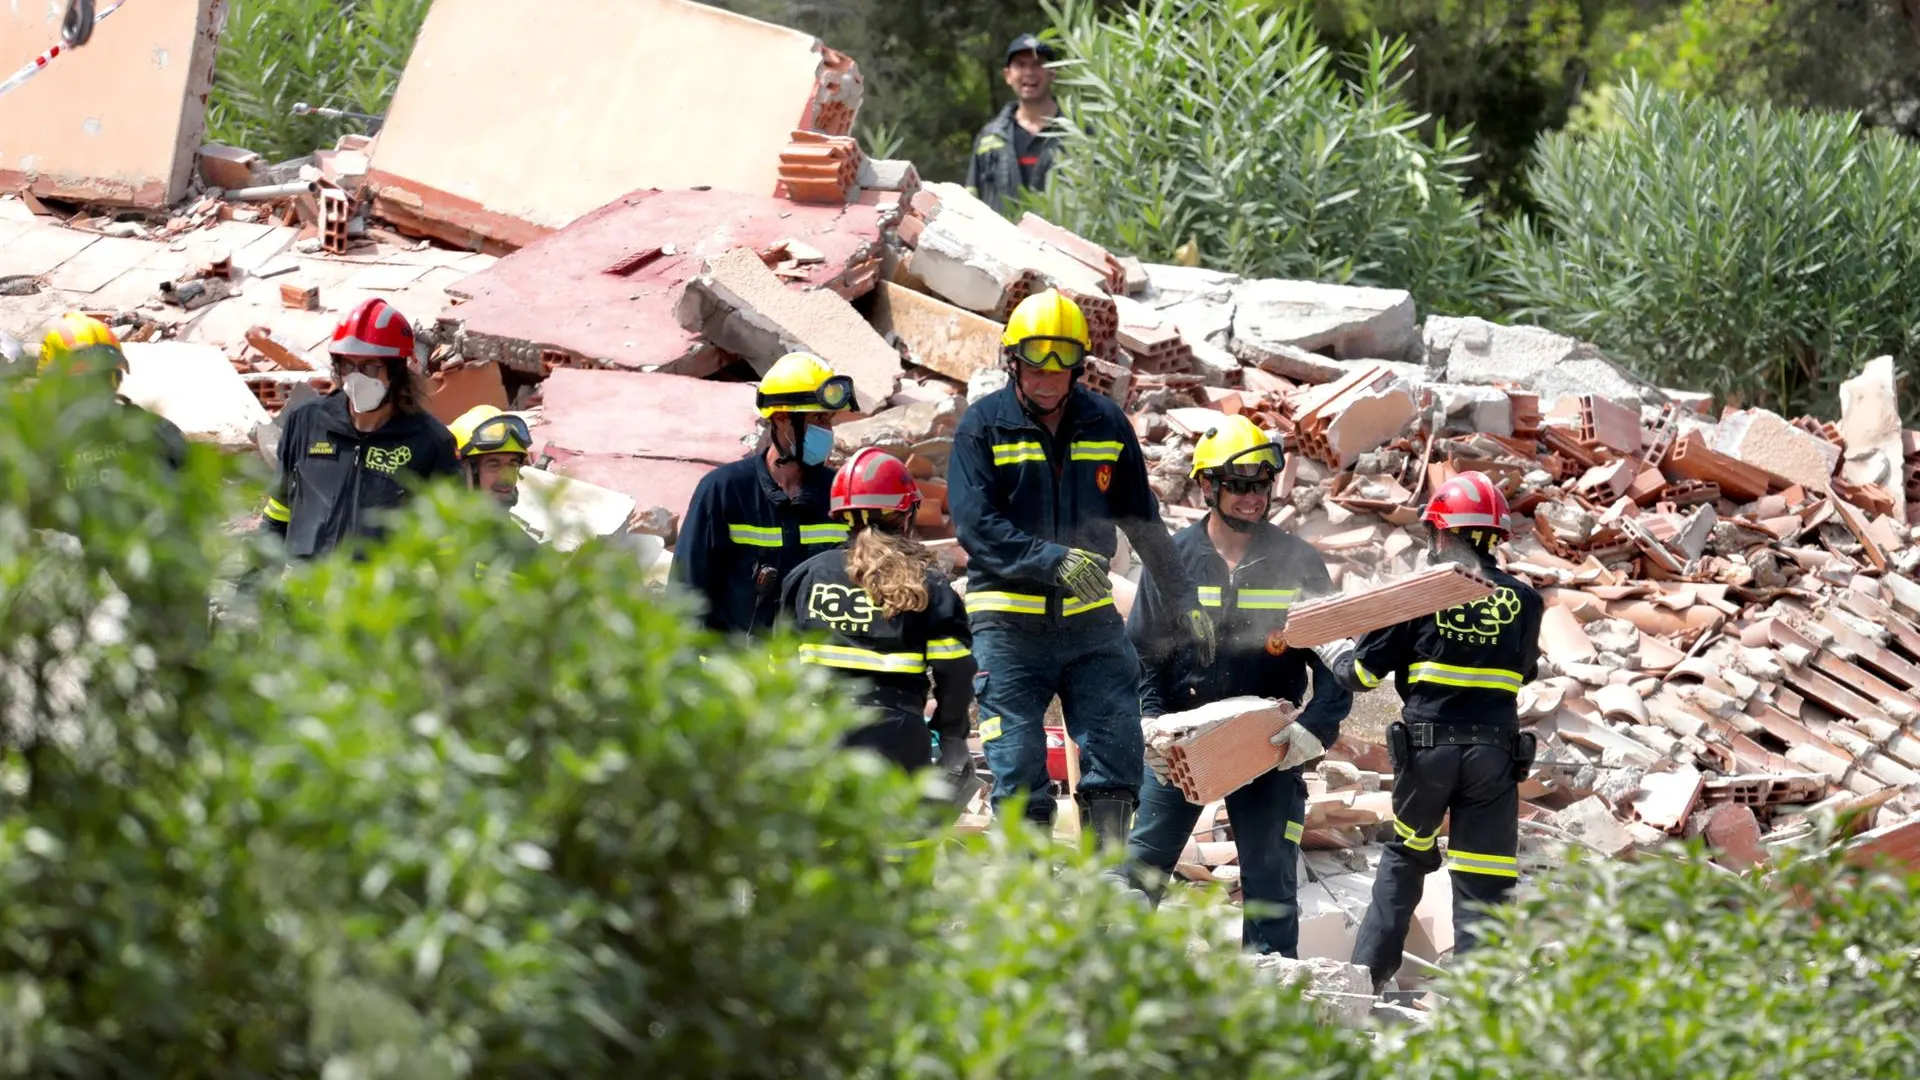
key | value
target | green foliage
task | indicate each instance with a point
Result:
(1215, 122)
(1672, 967)
(346, 54)
(1758, 253)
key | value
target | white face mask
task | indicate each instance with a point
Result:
(364, 392)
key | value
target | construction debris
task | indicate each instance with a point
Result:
(1216, 749)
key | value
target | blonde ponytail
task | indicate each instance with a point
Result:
(891, 567)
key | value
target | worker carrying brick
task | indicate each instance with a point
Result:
(1015, 151)
(86, 355)
(1458, 752)
(890, 621)
(753, 520)
(493, 446)
(1249, 573)
(1041, 473)
(360, 452)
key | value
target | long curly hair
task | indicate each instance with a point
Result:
(890, 565)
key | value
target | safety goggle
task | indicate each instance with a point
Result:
(503, 434)
(1248, 471)
(1050, 353)
(831, 396)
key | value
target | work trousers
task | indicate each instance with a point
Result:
(899, 736)
(1476, 786)
(1268, 815)
(1096, 674)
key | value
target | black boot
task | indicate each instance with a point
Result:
(1109, 816)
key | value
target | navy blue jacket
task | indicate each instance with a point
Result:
(1021, 497)
(1249, 606)
(740, 522)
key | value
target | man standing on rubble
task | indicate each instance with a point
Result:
(1458, 749)
(347, 458)
(1041, 473)
(1016, 148)
(1250, 573)
(752, 521)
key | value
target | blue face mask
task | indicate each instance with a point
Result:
(817, 445)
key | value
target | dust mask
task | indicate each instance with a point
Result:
(817, 445)
(364, 392)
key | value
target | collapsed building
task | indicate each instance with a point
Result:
(1732, 643)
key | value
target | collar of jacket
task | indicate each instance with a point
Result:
(816, 483)
(1264, 542)
(338, 420)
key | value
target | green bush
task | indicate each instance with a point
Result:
(346, 54)
(1758, 253)
(1217, 123)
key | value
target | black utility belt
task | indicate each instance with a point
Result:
(1425, 736)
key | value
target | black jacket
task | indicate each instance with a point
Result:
(892, 658)
(1463, 665)
(1249, 606)
(96, 459)
(1021, 497)
(334, 480)
(741, 522)
(993, 172)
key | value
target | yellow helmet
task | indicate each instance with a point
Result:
(484, 429)
(1238, 445)
(802, 382)
(81, 340)
(1048, 331)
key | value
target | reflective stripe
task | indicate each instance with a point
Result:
(989, 729)
(278, 511)
(1015, 453)
(1428, 671)
(754, 536)
(1017, 603)
(1411, 839)
(1209, 595)
(1491, 865)
(1267, 599)
(1071, 606)
(947, 648)
(1366, 678)
(1294, 831)
(1094, 451)
(823, 534)
(852, 659)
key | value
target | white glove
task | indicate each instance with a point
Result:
(1333, 652)
(1301, 746)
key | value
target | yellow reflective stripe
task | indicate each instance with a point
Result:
(989, 729)
(1295, 830)
(852, 659)
(1209, 595)
(1017, 603)
(1411, 839)
(947, 648)
(1094, 451)
(1490, 865)
(1366, 678)
(278, 511)
(1266, 599)
(1015, 453)
(823, 534)
(1072, 606)
(1429, 671)
(754, 536)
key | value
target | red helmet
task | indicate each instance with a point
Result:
(873, 480)
(374, 329)
(1468, 501)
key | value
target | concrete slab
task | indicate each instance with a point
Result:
(118, 120)
(604, 288)
(648, 436)
(486, 140)
(566, 512)
(40, 251)
(939, 336)
(195, 387)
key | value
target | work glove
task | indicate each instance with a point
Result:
(1333, 652)
(1301, 746)
(1205, 645)
(1084, 574)
(956, 765)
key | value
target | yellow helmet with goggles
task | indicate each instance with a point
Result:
(1048, 331)
(802, 382)
(83, 343)
(1236, 448)
(485, 429)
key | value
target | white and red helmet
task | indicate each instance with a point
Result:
(873, 480)
(1468, 501)
(375, 329)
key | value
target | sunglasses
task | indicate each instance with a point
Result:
(1244, 485)
(1050, 353)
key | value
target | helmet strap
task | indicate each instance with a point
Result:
(787, 455)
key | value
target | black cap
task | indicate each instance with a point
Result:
(1028, 43)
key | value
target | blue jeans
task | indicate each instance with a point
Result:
(1267, 816)
(1096, 674)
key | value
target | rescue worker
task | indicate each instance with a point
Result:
(1015, 151)
(1041, 473)
(493, 446)
(348, 457)
(87, 354)
(1249, 573)
(1458, 752)
(891, 620)
(753, 520)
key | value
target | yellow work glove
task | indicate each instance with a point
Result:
(1084, 574)
(1204, 643)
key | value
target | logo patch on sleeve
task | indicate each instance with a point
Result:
(1103, 478)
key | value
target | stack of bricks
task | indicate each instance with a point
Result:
(1414, 596)
(1217, 749)
(1526, 414)
(1158, 350)
(1115, 380)
(816, 168)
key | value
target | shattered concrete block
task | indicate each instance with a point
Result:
(938, 336)
(228, 167)
(986, 382)
(1475, 408)
(1344, 990)
(567, 512)
(1344, 321)
(898, 430)
(1470, 350)
(1733, 833)
(1368, 422)
(951, 264)
(968, 228)
(1289, 362)
(1168, 284)
(195, 387)
(1766, 441)
(1870, 423)
(1591, 822)
(743, 307)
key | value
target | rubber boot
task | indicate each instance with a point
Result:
(1110, 817)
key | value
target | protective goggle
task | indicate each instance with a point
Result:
(503, 434)
(831, 396)
(1248, 471)
(1050, 353)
